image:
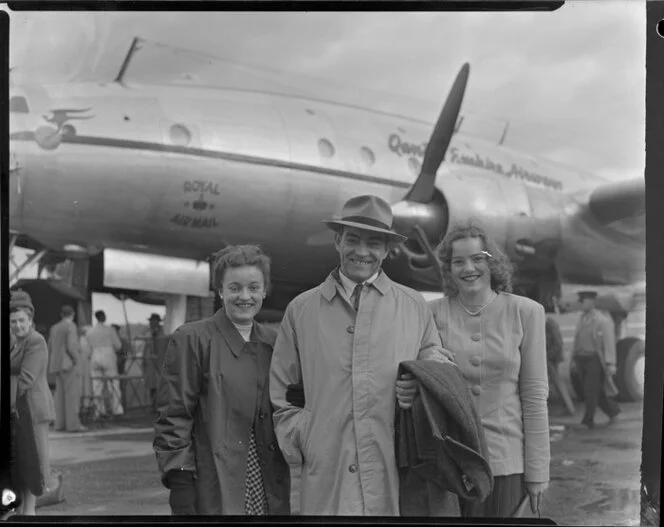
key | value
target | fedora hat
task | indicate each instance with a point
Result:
(155, 316)
(369, 213)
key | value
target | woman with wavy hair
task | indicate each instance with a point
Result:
(500, 346)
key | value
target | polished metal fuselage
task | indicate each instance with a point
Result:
(184, 171)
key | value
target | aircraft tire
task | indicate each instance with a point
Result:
(630, 369)
(575, 381)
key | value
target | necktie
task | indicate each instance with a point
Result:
(356, 293)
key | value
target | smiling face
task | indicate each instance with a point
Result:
(243, 291)
(470, 266)
(362, 252)
(20, 323)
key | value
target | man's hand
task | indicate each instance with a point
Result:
(406, 389)
(611, 369)
(295, 395)
(536, 492)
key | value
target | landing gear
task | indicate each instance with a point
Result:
(630, 375)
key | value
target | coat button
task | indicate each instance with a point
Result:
(476, 389)
(352, 468)
(261, 416)
(476, 337)
(280, 479)
(350, 329)
(271, 448)
(475, 361)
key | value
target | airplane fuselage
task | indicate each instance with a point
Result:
(183, 171)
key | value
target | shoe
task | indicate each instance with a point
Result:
(613, 419)
(589, 424)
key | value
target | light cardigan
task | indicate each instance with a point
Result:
(502, 354)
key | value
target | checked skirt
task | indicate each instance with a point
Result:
(255, 499)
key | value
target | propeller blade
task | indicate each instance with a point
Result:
(422, 189)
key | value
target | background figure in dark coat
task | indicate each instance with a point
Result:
(214, 437)
(31, 404)
(64, 346)
(152, 357)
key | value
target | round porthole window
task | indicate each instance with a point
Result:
(367, 156)
(325, 148)
(180, 135)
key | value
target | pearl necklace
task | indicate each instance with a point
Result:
(479, 311)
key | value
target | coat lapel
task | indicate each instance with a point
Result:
(231, 335)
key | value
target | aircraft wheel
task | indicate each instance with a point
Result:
(630, 373)
(577, 383)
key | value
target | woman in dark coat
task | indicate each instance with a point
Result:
(214, 437)
(32, 405)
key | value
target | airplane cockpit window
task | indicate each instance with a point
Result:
(18, 104)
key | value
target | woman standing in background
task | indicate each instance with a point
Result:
(32, 406)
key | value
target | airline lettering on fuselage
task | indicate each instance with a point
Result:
(194, 222)
(455, 155)
(201, 187)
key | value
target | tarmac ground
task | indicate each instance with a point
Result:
(595, 477)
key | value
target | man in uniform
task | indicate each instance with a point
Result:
(344, 341)
(64, 349)
(595, 350)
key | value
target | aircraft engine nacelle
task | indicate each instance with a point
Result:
(135, 271)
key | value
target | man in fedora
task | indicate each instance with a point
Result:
(344, 340)
(594, 343)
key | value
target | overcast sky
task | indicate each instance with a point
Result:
(571, 82)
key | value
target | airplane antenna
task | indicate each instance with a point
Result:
(502, 139)
(125, 64)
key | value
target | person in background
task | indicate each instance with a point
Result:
(104, 364)
(87, 400)
(63, 343)
(32, 407)
(594, 343)
(125, 350)
(500, 346)
(152, 356)
(214, 438)
(340, 345)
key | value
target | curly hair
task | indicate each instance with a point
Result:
(499, 265)
(239, 256)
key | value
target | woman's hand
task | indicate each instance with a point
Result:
(536, 492)
(406, 390)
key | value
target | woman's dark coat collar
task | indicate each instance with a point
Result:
(232, 335)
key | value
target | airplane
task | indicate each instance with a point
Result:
(141, 183)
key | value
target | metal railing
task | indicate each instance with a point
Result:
(139, 372)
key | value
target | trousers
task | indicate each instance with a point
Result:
(67, 400)
(592, 377)
(104, 364)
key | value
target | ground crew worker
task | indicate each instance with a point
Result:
(594, 343)
(105, 344)
(63, 344)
